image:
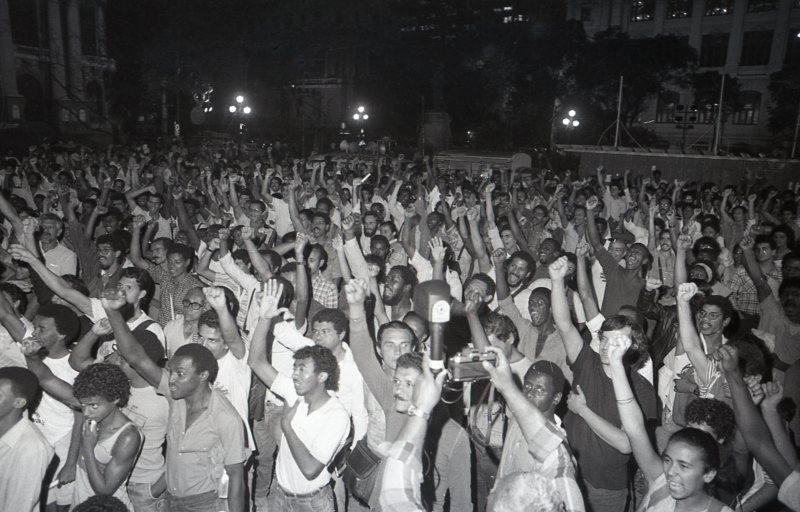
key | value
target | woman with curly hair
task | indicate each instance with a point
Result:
(109, 440)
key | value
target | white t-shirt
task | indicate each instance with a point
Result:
(149, 411)
(233, 381)
(322, 443)
(53, 418)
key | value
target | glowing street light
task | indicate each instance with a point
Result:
(356, 117)
(247, 110)
(232, 109)
(239, 99)
(570, 123)
(361, 109)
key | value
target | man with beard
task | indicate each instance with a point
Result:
(101, 261)
(135, 283)
(175, 281)
(200, 417)
(622, 284)
(535, 231)
(397, 291)
(59, 259)
(539, 339)
(369, 223)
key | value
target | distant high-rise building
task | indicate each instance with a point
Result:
(747, 39)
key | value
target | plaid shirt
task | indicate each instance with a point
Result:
(402, 477)
(324, 291)
(744, 295)
(546, 453)
(172, 292)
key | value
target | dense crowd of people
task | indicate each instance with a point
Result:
(203, 331)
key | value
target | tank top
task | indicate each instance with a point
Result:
(102, 452)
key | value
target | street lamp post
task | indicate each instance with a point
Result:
(240, 108)
(570, 123)
(360, 116)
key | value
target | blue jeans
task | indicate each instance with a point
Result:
(206, 502)
(142, 498)
(321, 501)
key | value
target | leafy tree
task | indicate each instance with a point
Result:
(784, 88)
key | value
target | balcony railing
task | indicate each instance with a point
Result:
(31, 52)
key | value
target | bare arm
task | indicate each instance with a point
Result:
(689, 339)
(129, 348)
(573, 343)
(107, 480)
(54, 282)
(585, 291)
(227, 324)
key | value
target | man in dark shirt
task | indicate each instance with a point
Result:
(622, 284)
(593, 425)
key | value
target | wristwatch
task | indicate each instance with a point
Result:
(413, 410)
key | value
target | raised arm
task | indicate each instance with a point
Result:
(630, 413)
(56, 387)
(765, 208)
(750, 423)
(484, 263)
(183, 219)
(81, 354)
(54, 282)
(302, 287)
(689, 339)
(573, 343)
(591, 226)
(215, 298)
(754, 270)
(136, 245)
(405, 231)
(585, 290)
(684, 244)
(128, 347)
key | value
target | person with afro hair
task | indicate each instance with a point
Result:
(110, 442)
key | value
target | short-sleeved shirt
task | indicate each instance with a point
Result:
(24, 457)
(622, 286)
(98, 313)
(172, 292)
(549, 456)
(196, 458)
(789, 493)
(602, 465)
(322, 443)
(61, 261)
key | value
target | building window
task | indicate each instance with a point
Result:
(793, 48)
(762, 5)
(756, 47)
(679, 9)
(665, 110)
(643, 10)
(24, 25)
(714, 50)
(749, 107)
(586, 10)
(88, 22)
(719, 7)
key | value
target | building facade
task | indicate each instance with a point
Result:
(747, 39)
(54, 69)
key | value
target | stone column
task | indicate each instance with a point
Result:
(8, 74)
(74, 52)
(58, 70)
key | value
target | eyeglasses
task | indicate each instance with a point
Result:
(711, 316)
(193, 305)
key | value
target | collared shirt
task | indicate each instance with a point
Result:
(744, 295)
(322, 443)
(61, 261)
(196, 458)
(351, 383)
(401, 480)
(172, 292)
(547, 453)
(24, 457)
(324, 291)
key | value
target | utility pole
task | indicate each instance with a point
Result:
(619, 108)
(719, 116)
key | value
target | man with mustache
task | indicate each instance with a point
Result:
(134, 283)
